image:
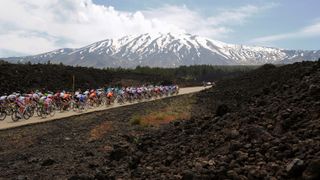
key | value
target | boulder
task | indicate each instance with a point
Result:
(295, 167)
(312, 172)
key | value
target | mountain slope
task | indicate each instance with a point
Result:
(168, 50)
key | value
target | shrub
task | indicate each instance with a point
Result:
(135, 120)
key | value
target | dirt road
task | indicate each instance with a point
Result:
(8, 123)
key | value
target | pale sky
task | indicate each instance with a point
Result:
(29, 27)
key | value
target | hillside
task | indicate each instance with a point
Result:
(263, 124)
(168, 50)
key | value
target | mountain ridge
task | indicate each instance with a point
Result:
(167, 50)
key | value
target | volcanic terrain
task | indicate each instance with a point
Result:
(261, 125)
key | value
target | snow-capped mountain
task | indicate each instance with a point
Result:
(168, 50)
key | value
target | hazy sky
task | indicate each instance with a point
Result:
(36, 26)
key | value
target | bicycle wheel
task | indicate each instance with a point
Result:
(9, 111)
(54, 107)
(108, 102)
(43, 112)
(52, 111)
(70, 106)
(82, 107)
(27, 113)
(14, 116)
(3, 115)
(38, 111)
(96, 104)
(103, 101)
(85, 106)
(32, 109)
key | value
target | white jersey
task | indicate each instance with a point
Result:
(11, 97)
(42, 99)
(3, 98)
(21, 99)
(99, 93)
(35, 96)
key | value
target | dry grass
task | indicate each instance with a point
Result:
(100, 130)
(176, 110)
(164, 117)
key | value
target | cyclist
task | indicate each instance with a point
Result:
(12, 97)
(93, 94)
(20, 102)
(3, 99)
(109, 95)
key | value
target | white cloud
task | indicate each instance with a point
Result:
(306, 32)
(217, 26)
(312, 30)
(36, 26)
(26, 42)
(238, 15)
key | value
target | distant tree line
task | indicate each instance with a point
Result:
(25, 77)
(3, 62)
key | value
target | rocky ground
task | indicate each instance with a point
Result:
(262, 125)
(63, 149)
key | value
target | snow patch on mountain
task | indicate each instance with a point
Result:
(168, 50)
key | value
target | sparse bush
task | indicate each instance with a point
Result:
(3, 62)
(135, 120)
